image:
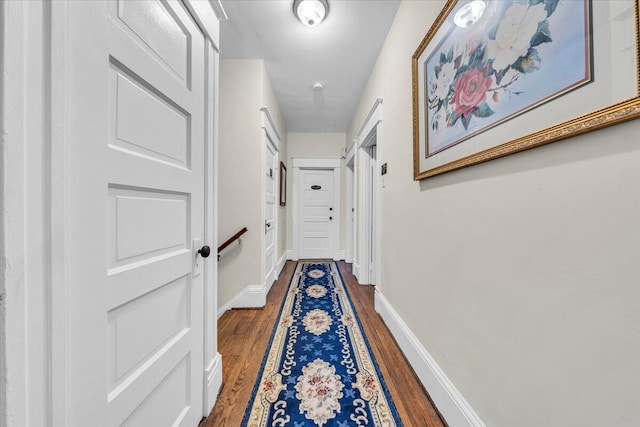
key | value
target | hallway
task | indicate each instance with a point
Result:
(471, 166)
(243, 336)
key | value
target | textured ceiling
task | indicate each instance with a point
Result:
(339, 53)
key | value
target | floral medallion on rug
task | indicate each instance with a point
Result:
(318, 369)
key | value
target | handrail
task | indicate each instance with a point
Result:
(232, 239)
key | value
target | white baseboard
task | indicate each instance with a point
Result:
(281, 262)
(249, 297)
(338, 254)
(293, 254)
(213, 379)
(356, 270)
(254, 296)
(452, 405)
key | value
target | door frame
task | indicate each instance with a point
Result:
(350, 203)
(299, 164)
(270, 136)
(44, 92)
(369, 135)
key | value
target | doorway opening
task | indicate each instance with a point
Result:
(369, 210)
(350, 208)
(367, 270)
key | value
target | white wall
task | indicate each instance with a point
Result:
(244, 89)
(239, 175)
(520, 276)
(324, 145)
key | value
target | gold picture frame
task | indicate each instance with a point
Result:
(608, 115)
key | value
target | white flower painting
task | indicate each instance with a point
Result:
(517, 56)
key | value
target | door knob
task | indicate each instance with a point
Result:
(330, 218)
(205, 251)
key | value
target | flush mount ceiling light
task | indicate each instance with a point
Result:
(311, 12)
(469, 14)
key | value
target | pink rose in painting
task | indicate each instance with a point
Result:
(470, 90)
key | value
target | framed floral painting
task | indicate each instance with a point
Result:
(496, 77)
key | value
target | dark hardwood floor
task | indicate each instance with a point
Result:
(243, 336)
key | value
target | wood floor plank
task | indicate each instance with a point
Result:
(243, 336)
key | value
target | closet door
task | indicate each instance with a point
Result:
(136, 203)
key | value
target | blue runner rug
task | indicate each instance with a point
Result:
(319, 369)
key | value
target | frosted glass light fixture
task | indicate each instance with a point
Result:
(469, 14)
(311, 12)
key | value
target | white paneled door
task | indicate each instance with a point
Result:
(270, 222)
(317, 213)
(136, 192)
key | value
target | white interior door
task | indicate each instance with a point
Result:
(317, 213)
(135, 327)
(270, 223)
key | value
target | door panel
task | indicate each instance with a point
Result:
(137, 195)
(144, 224)
(165, 138)
(168, 404)
(316, 224)
(161, 30)
(139, 329)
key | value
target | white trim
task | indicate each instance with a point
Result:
(337, 210)
(317, 162)
(254, 296)
(293, 255)
(281, 262)
(338, 255)
(269, 125)
(370, 133)
(230, 304)
(207, 15)
(372, 119)
(351, 152)
(39, 99)
(213, 383)
(299, 164)
(13, 372)
(349, 209)
(211, 356)
(216, 5)
(446, 397)
(355, 269)
(58, 188)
